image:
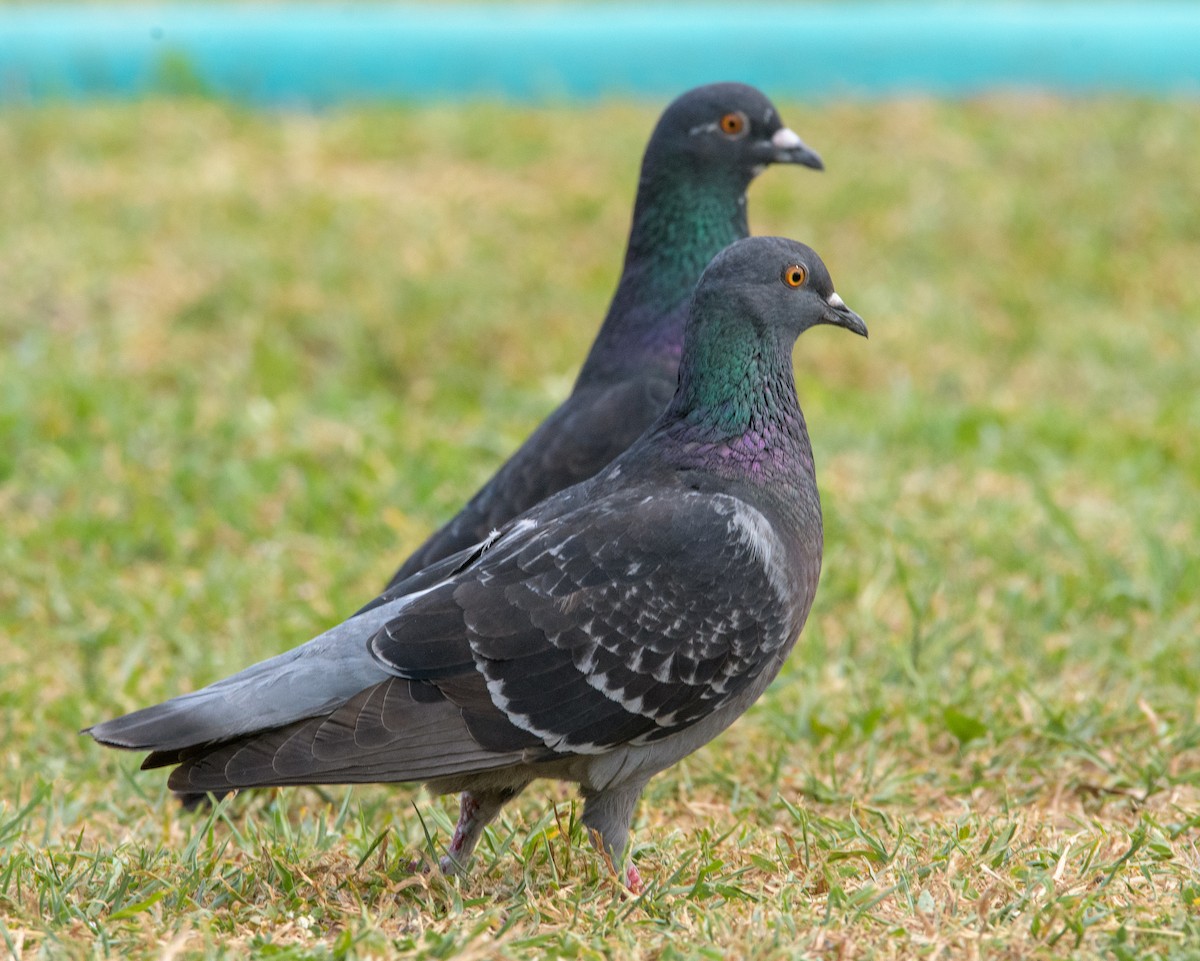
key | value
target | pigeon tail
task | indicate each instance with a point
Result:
(395, 731)
(304, 682)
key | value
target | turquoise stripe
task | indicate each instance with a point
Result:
(323, 54)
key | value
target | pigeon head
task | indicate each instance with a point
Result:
(726, 132)
(772, 286)
(707, 147)
(752, 302)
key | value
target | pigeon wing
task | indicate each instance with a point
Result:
(623, 621)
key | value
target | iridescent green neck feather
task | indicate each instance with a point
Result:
(681, 220)
(735, 411)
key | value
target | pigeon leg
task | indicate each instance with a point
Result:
(476, 811)
(607, 815)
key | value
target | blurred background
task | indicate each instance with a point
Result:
(282, 284)
(329, 53)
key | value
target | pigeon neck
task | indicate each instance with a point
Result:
(682, 219)
(735, 411)
(680, 222)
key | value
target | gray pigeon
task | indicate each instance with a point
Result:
(597, 638)
(691, 202)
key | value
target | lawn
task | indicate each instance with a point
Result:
(247, 360)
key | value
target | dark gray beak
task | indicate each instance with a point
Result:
(787, 148)
(838, 314)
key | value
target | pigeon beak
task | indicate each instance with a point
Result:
(840, 315)
(787, 148)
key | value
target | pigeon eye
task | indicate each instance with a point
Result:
(733, 124)
(794, 275)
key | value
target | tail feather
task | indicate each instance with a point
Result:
(307, 681)
(389, 733)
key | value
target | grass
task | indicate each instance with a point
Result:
(250, 359)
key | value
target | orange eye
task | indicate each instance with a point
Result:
(733, 124)
(794, 275)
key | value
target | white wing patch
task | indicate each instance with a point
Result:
(755, 532)
(552, 740)
(519, 528)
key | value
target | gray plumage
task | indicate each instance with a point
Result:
(706, 148)
(599, 637)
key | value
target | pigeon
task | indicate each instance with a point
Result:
(598, 637)
(707, 147)
(705, 150)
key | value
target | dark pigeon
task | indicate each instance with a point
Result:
(598, 637)
(708, 146)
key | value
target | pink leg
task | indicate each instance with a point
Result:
(476, 810)
(465, 830)
(633, 880)
(466, 834)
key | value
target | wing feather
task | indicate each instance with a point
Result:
(631, 617)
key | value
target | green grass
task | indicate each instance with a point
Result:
(248, 360)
